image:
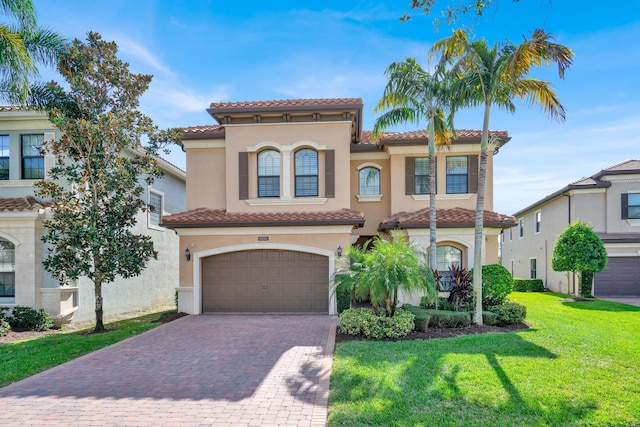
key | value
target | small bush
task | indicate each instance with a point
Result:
(443, 304)
(497, 283)
(528, 285)
(4, 312)
(366, 322)
(28, 318)
(510, 313)
(4, 327)
(489, 318)
(448, 319)
(343, 298)
(422, 321)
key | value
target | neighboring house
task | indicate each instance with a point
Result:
(23, 280)
(278, 189)
(610, 202)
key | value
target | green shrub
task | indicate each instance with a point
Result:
(4, 327)
(510, 313)
(343, 298)
(489, 318)
(422, 321)
(366, 322)
(443, 304)
(29, 318)
(448, 319)
(497, 283)
(4, 312)
(528, 285)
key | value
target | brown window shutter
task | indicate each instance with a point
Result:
(625, 206)
(472, 173)
(409, 172)
(243, 178)
(330, 174)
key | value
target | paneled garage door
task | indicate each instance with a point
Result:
(620, 278)
(265, 281)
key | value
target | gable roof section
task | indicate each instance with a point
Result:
(627, 167)
(204, 217)
(284, 104)
(414, 137)
(446, 218)
(205, 131)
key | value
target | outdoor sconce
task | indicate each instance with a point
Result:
(339, 251)
(187, 254)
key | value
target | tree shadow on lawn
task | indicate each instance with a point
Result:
(600, 305)
(429, 383)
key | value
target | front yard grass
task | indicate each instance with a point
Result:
(578, 365)
(21, 359)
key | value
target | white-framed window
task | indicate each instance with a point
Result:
(7, 271)
(269, 173)
(156, 208)
(4, 157)
(511, 234)
(32, 159)
(421, 175)
(457, 175)
(306, 173)
(447, 256)
(538, 220)
(533, 268)
(369, 181)
(521, 227)
(631, 206)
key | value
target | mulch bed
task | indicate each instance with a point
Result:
(432, 333)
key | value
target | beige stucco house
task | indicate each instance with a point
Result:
(23, 280)
(610, 202)
(276, 190)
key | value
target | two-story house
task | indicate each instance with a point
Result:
(276, 190)
(609, 201)
(23, 280)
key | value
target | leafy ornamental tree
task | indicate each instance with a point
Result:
(484, 77)
(100, 166)
(412, 95)
(451, 12)
(580, 250)
(23, 46)
(390, 266)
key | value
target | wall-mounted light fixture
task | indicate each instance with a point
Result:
(339, 251)
(187, 254)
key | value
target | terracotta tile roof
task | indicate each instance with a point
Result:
(204, 217)
(455, 217)
(18, 204)
(199, 130)
(13, 108)
(418, 135)
(285, 103)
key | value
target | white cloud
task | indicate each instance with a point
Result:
(131, 48)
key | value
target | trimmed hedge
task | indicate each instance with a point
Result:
(528, 285)
(448, 319)
(510, 313)
(489, 318)
(29, 318)
(443, 304)
(366, 322)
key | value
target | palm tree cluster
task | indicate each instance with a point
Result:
(470, 73)
(23, 46)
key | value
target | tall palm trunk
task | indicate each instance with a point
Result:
(432, 194)
(479, 222)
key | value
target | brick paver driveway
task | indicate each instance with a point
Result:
(198, 370)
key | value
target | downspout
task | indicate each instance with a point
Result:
(570, 275)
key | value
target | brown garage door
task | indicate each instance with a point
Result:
(265, 280)
(620, 278)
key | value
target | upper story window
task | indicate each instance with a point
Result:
(538, 218)
(521, 227)
(7, 269)
(457, 175)
(306, 173)
(32, 160)
(4, 157)
(269, 173)
(369, 181)
(421, 175)
(631, 206)
(155, 208)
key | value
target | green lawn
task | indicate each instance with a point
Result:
(579, 365)
(21, 359)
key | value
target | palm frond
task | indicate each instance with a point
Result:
(540, 92)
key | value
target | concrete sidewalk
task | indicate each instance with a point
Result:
(263, 370)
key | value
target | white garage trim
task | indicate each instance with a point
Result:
(197, 256)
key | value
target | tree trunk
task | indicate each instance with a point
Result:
(432, 196)
(99, 310)
(479, 222)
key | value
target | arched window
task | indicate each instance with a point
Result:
(7, 269)
(369, 179)
(306, 167)
(269, 173)
(447, 256)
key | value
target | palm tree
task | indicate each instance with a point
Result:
(413, 94)
(498, 76)
(23, 46)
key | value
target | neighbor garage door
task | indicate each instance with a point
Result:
(620, 278)
(265, 281)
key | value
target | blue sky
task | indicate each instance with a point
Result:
(211, 51)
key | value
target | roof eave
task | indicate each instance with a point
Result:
(353, 222)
